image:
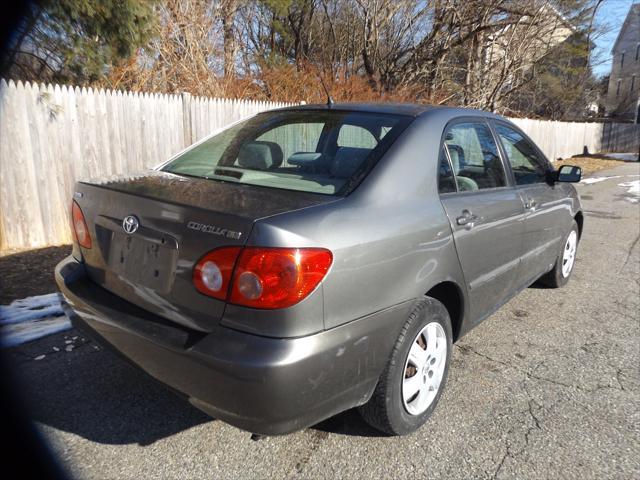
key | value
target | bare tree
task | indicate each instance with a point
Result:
(227, 13)
(478, 53)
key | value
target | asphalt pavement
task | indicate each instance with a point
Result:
(548, 387)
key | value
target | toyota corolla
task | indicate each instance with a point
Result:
(313, 259)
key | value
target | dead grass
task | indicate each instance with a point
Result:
(589, 165)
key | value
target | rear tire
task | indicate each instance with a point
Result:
(561, 272)
(413, 380)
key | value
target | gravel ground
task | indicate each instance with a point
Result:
(548, 387)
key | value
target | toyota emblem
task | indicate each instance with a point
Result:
(130, 224)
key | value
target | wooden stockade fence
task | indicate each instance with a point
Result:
(50, 136)
(566, 139)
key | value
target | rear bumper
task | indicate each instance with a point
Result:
(264, 385)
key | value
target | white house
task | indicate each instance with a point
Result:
(623, 93)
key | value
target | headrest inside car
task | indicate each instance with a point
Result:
(260, 155)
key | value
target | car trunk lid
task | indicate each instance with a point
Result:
(150, 230)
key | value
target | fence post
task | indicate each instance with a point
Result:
(186, 118)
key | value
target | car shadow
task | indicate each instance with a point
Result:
(98, 396)
(93, 393)
(349, 423)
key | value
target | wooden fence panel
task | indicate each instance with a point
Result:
(562, 139)
(51, 136)
(621, 137)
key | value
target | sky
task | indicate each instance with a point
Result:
(610, 17)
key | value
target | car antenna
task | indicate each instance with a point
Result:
(326, 90)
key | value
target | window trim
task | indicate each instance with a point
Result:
(509, 183)
(445, 150)
(513, 126)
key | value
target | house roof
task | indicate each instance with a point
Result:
(562, 18)
(634, 10)
(546, 8)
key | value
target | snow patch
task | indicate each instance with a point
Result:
(633, 190)
(19, 333)
(31, 308)
(32, 318)
(590, 180)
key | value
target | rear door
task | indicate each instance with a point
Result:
(485, 212)
(545, 204)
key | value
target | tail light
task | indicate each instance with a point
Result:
(265, 278)
(212, 274)
(278, 277)
(80, 230)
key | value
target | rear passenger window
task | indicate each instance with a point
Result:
(527, 165)
(356, 137)
(474, 157)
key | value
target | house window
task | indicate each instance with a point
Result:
(618, 87)
(622, 60)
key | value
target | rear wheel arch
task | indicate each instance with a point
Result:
(450, 295)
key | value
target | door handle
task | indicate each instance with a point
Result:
(467, 219)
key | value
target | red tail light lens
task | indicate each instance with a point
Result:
(278, 277)
(212, 274)
(80, 229)
(265, 278)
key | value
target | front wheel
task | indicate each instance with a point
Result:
(563, 267)
(414, 378)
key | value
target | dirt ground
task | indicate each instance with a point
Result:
(27, 273)
(589, 165)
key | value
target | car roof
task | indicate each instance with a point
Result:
(408, 109)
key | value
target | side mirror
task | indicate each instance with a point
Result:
(569, 173)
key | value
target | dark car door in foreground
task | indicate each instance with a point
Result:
(485, 215)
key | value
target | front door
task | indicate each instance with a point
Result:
(547, 207)
(485, 212)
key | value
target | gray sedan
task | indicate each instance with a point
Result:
(317, 258)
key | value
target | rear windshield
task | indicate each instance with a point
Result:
(327, 152)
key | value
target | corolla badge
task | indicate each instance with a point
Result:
(130, 224)
(213, 230)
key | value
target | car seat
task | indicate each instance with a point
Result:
(456, 153)
(347, 161)
(260, 155)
